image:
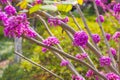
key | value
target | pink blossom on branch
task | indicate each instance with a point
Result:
(50, 41)
(116, 8)
(96, 38)
(74, 77)
(116, 36)
(80, 38)
(101, 17)
(10, 10)
(5, 1)
(16, 26)
(89, 73)
(105, 61)
(112, 76)
(81, 56)
(113, 51)
(64, 63)
(108, 36)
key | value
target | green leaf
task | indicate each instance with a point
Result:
(30, 1)
(22, 4)
(49, 7)
(64, 7)
(34, 8)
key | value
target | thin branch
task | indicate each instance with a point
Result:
(34, 63)
(66, 55)
(85, 25)
(71, 30)
(75, 21)
(70, 66)
(119, 57)
(103, 33)
(50, 33)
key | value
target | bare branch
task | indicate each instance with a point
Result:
(17, 53)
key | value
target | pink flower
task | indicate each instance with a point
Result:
(64, 63)
(3, 16)
(57, 21)
(10, 10)
(16, 26)
(98, 2)
(50, 41)
(44, 49)
(113, 51)
(101, 17)
(81, 56)
(89, 73)
(116, 36)
(116, 8)
(105, 61)
(80, 38)
(108, 36)
(96, 38)
(4, 1)
(112, 76)
(74, 77)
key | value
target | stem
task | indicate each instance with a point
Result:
(34, 63)
(103, 33)
(75, 21)
(88, 58)
(66, 55)
(71, 30)
(119, 57)
(85, 25)
(70, 66)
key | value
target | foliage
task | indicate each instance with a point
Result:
(26, 71)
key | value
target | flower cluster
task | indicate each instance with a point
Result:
(3, 16)
(4, 1)
(89, 73)
(112, 76)
(81, 56)
(74, 77)
(80, 38)
(101, 17)
(64, 63)
(15, 25)
(44, 50)
(37, 2)
(105, 61)
(10, 10)
(116, 36)
(104, 1)
(96, 38)
(108, 36)
(116, 8)
(113, 51)
(57, 21)
(50, 41)
(97, 2)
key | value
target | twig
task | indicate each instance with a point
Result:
(71, 30)
(103, 33)
(85, 25)
(17, 53)
(75, 21)
(119, 57)
(70, 66)
(66, 55)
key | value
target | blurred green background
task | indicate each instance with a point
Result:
(26, 71)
